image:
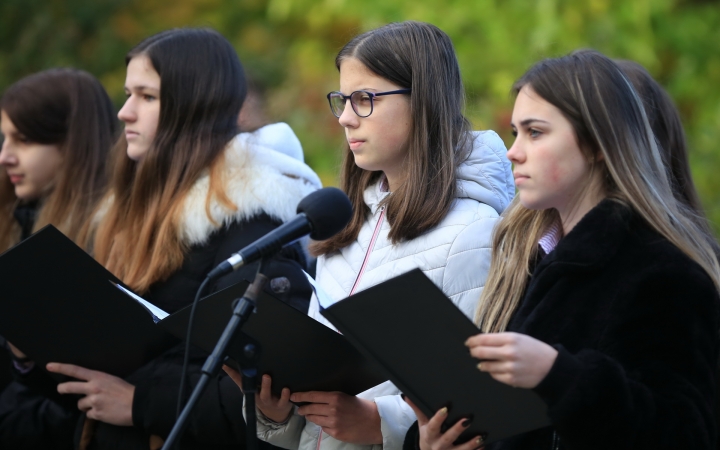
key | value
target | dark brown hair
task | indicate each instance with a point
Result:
(68, 108)
(421, 57)
(667, 127)
(202, 88)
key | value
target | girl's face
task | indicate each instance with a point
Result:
(550, 170)
(31, 167)
(377, 141)
(141, 111)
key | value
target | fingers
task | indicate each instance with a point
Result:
(491, 339)
(70, 370)
(446, 439)
(265, 388)
(234, 375)
(313, 397)
(316, 409)
(74, 387)
(422, 418)
(435, 423)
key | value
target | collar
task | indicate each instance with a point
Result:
(551, 238)
(597, 237)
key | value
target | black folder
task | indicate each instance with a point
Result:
(298, 352)
(410, 328)
(58, 304)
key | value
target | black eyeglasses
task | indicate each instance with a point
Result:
(361, 101)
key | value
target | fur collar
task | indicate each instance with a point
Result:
(262, 174)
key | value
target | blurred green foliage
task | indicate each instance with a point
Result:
(288, 48)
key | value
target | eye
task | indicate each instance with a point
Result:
(534, 133)
(514, 132)
(149, 98)
(363, 98)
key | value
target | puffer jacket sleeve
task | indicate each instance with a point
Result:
(286, 434)
(395, 419)
(468, 262)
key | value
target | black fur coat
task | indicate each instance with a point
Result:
(635, 322)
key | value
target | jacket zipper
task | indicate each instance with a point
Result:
(357, 281)
(369, 250)
(556, 441)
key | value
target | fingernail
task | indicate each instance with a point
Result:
(292, 398)
(444, 411)
(479, 440)
(479, 366)
(466, 423)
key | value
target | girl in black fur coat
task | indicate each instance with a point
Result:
(603, 291)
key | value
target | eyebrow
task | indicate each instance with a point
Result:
(529, 121)
(141, 88)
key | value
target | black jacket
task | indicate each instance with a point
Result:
(218, 422)
(635, 323)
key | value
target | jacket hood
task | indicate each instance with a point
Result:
(264, 173)
(486, 175)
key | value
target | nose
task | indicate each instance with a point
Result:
(348, 118)
(127, 112)
(516, 154)
(7, 155)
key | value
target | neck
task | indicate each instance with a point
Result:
(571, 216)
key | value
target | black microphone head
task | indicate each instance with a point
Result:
(328, 210)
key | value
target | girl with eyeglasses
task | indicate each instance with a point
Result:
(426, 192)
(602, 295)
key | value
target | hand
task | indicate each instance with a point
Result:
(107, 398)
(344, 417)
(275, 409)
(431, 438)
(512, 358)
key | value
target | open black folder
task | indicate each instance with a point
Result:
(298, 352)
(59, 304)
(410, 328)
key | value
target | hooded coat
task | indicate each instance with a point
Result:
(455, 255)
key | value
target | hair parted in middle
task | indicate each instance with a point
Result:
(202, 89)
(421, 57)
(609, 119)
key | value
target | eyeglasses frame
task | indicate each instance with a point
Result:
(372, 96)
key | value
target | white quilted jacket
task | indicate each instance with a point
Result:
(455, 255)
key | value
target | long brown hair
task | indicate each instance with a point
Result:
(608, 118)
(202, 88)
(68, 108)
(421, 57)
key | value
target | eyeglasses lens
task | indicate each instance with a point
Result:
(337, 104)
(362, 103)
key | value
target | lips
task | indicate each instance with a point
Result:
(519, 178)
(130, 134)
(15, 179)
(355, 143)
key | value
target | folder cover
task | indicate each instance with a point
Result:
(297, 351)
(411, 329)
(60, 305)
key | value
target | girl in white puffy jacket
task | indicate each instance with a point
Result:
(426, 193)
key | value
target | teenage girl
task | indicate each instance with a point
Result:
(426, 192)
(186, 192)
(58, 126)
(616, 328)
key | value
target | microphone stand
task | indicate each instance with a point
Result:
(243, 308)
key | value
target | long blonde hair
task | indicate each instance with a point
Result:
(609, 120)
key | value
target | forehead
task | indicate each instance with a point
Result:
(529, 104)
(355, 75)
(6, 124)
(140, 72)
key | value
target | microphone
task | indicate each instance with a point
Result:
(321, 214)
